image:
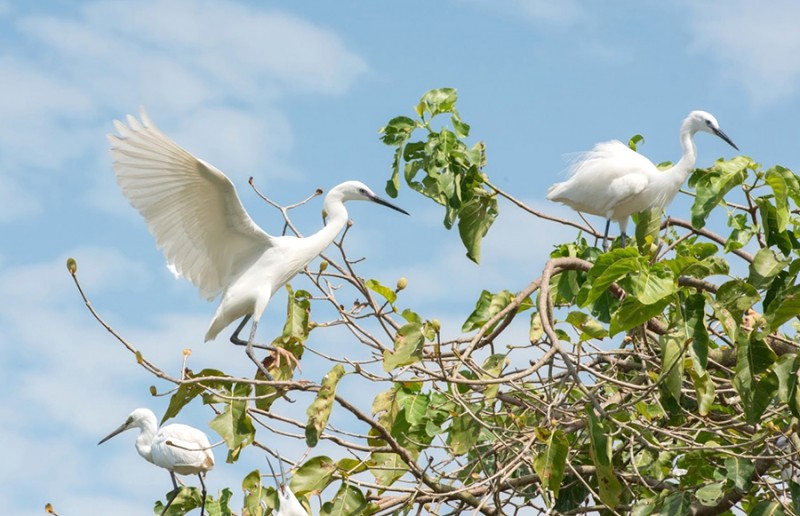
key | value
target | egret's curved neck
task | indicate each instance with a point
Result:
(144, 441)
(334, 222)
(686, 164)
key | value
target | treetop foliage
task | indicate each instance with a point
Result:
(659, 378)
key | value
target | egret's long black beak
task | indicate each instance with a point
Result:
(724, 136)
(388, 204)
(122, 428)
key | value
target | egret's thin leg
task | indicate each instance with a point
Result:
(624, 237)
(249, 348)
(174, 493)
(239, 342)
(605, 235)
(254, 358)
(203, 486)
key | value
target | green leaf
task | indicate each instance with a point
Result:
(676, 504)
(609, 267)
(488, 306)
(770, 225)
(601, 452)
(672, 358)
(384, 291)
(551, 462)
(654, 284)
(255, 493)
(297, 314)
(233, 424)
(589, 327)
(440, 100)
(648, 226)
(463, 434)
(706, 392)
(787, 306)
(186, 499)
(320, 409)
(784, 184)
(475, 219)
(536, 329)
(397, 130)
(386, 467)
(349, 500)
(785, 369)
(713, 185)
(737, 296)
(696, 330)
(767, 508)
(313, 476)
(407, 347)
(740, 472)
(632, 313)
(635, 140)
(765, 266)
(710, 493)
(187, 392)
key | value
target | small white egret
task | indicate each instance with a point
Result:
(288, 504)
(180, 449)
(614, 181)
(198, 221)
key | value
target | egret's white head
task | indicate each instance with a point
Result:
(356, 191)
(137, 419)
(703, 121)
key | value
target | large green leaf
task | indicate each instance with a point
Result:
(407, 347)
(610, 488)
(784, 184)
(475, 219)
(233, 424)
(386, 467)
(654, 284)
(609, 267)
(765, 266)
(712, 186)
(672, 360)
(313, 476)
(551, 462)
(320, 409)
(786, 308)
(186, 392)
(349, 500)
(740, 472)
(632, 313)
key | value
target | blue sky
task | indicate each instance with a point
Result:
(293, 94)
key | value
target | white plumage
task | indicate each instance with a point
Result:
(614, 182)
(192, 210)
(180, 449)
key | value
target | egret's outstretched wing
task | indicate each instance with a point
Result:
(190, 207)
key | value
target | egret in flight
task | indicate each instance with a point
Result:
(198, 221)
(614, 181)
(180, 449)
(289, 505)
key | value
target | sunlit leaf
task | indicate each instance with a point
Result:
(313, 475)
(320, 409)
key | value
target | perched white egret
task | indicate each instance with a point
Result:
(614, 181)
(192, 210)
(180, 449)
(288, 504)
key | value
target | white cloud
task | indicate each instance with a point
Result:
(755, 43)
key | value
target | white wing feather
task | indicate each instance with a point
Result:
(190, 207)
(603, 178)
(182, 449)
